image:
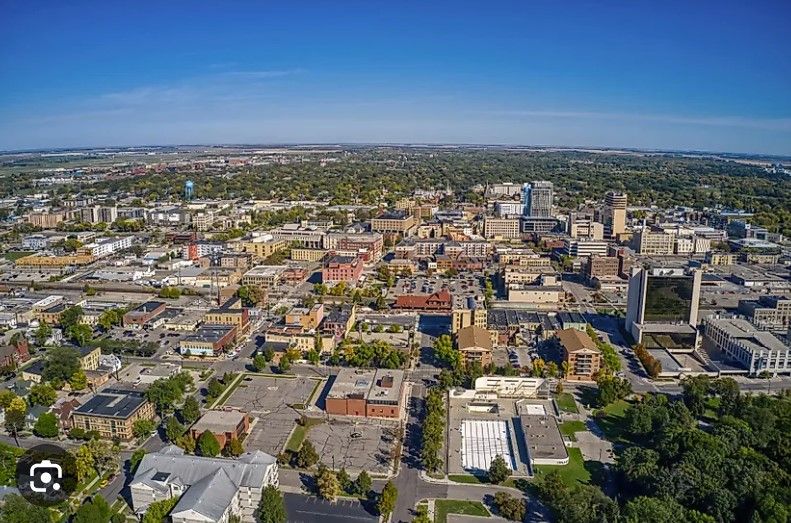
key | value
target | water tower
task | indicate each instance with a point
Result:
(188, 189)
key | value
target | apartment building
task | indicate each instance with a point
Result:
(393, 222)
(501, 228)
(113, 412)
(581, 354)
(475, 345)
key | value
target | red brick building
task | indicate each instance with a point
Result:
(365, 392)
(226, 425)
(143, 313)
(342, 268)
(439, 301)
(15, 353)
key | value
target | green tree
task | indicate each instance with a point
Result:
(653, 510)
(214, 388)
(387, 499)
(78, 380)
(271, 509)
(46, 425)
(84, 463)
(307, 455)
(498, 470)
(16, 509)
(363, 484)
(15, 415)
(172, 293)
(70, 317)
(136, 458)
(42, 394)
(446, 353)
(260, 363)
(208, 444)
(6, 396)
(61, 363)
(173, 429)
(80, 334)
(43, 332)
(509, 506)
(234, 447)
(344, 480)
(187, 442)
(284, 365)
(142, 427)
(251, 295)
(327, 483)
(190, 411)
(157, 511)
(95, 510)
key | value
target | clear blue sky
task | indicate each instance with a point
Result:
(691, 74)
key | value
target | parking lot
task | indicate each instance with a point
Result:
(462, 287)
(275, 403)
(305, 509)
(365, 445)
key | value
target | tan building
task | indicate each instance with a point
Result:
(308, 255)
(614, 214)
(46, 220)
(263, 247)
(581, 354)
(393, 222)
(501, 228)
(461, 318)
(230, 313)
(475, 345)
(113, 412)
(39, 260)
(308, 319)
(601, 267)
(654, 242)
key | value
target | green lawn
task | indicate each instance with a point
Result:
(613, 421)
(568, 428)
(574, 472)
(443, 507)
(296, 439)
(566, 402)
(15, 255)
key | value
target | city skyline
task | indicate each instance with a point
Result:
(583, 75)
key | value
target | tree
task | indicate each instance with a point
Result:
(214, 388)
(327, 484)
(313, 356)
(16, 509)
(95, 510)
(105, 456)
(187, 442)
(173, 429)
(43, 332)
(551, 369)
(208, 444)
(70, 317)
(538, 367)
(344, 480)
(6, 396)
(136, 458)
(61, 364)
(307, 455)
(157, 511)
(142, 427)
(387, 499)
(694, 392)
(421, 515)
(653, 510)
(190, 411)
(46, 425)
(251, 295)
(80, 334)
(15, 415)
(42, 394)
(498, 470)
(612, 388)
(84, 463)
(284, 365)
(510, 507)
(78, 380)
(172, 293)
(271, 509)
(446, 353)
(234, 447)
(260, 363)
(363, 484)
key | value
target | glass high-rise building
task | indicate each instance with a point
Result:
(537, 199)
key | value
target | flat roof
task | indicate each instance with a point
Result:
(113, 403)
(219, 421)
(380, 385)
(482, 441)
(210, 333)
(542, 437)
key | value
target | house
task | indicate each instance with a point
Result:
(15, 353)
(475, 345)
(226, 425)
(581, 354)
(209, 489)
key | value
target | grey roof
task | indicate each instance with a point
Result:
(212, 482)
(113, 403)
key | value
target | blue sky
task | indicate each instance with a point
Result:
(709, 75)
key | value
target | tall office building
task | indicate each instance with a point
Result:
(537, 199)
(189, 189)
(614, 213)
(662, 307)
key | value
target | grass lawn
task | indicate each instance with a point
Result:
(296, 438)
(568, 428)
(574, 472)
(566, 402)
(443, 507)
(15, 255)
(612, 423)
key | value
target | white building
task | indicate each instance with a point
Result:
(577, 248)
(108, 246)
